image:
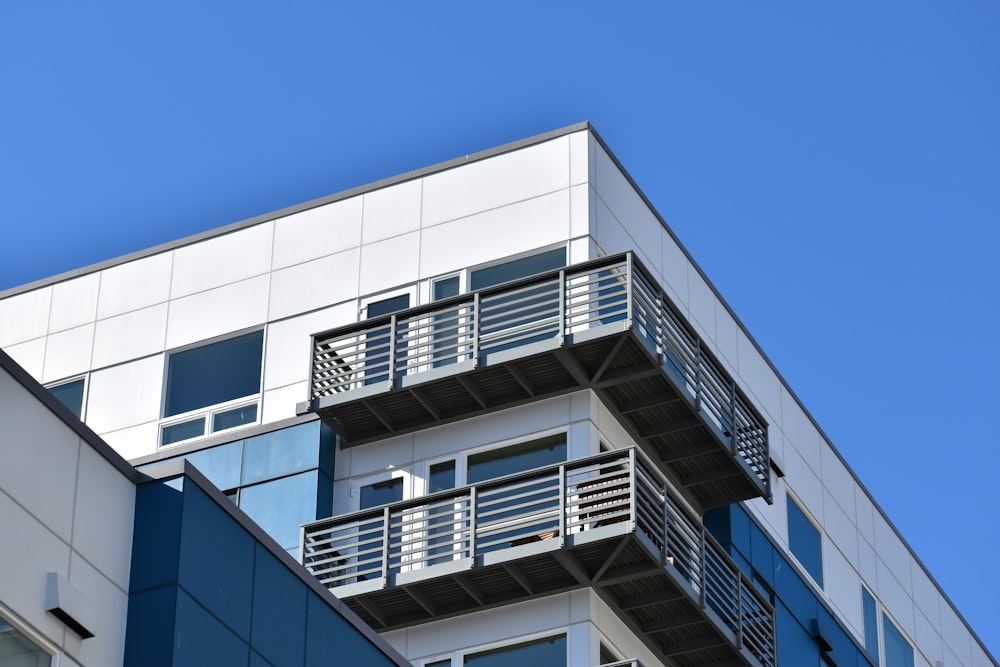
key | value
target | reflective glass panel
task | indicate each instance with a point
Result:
(246, 414)
(386, 306)
(382, 493)
(183, 431)
(281, 452)
(445, 288)
(70, 394)
(282, 505)
(804, 541)
(442, 476)
(516, 458)
(214, 373)
(898, 652)
(518, 268)
(220, 464)
(871, 622)
(17, 650)
(548, 652)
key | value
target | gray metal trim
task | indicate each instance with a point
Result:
(71, 420)
(298, 208)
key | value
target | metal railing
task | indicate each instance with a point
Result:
(555, 305)
(554, 502)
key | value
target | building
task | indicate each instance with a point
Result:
(513, 418)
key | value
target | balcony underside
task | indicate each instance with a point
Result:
(649, 400)
(657, 602)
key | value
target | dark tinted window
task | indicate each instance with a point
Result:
(382, 493)
(386, 306)
(519, 268)
(70, 394)
(898, 652)
(871, 622)
(548, 652)
(214, 373)
(804, 541)
(445, 288)
(442, 476)
(523, 456)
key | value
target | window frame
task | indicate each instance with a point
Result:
(461, 654)
(209, 412)
(83, 399)
(41, 642)
(811, 520)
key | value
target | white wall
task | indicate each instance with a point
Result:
(65, 509)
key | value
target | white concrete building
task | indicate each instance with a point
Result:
(612, 370)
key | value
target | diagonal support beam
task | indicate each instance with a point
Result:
(426, 402)
(609, 559)
(471, 589)
(520, 577)
(473, 390)
(670, 398)
(573, 565)
(666, 428)
(646, 599)
(379, 413)
(420, 599)
(573, 366)
(521, 378)
(627, 573)
(374, 610)
(608, 358)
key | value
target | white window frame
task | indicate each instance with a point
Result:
(40, 641)
(86, 388)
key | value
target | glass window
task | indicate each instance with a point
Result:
(386, 306)
(446, 287)
(214, 373)
(17, 650)
(804, 541)
(441, 477)
(193, 428)
(518, 268)
(607, 656)
(382, 493)
(439, 663)
(70, 394)
(280, 453)
(870, 621)
(898, 652)
(548, 652)
(282, 505)
(516, 458)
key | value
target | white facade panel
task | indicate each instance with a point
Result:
(135, 334)
(29, 355)
(137, 284)
(487, 236)
(287, 355)
(74, 302)
(390, 263)
(134, 441)
(391, 211)
(496, 182)
(314, 284)
(892, 551)
(865, 514)
(928, 638)
(757, 379)
(836, 477)
(280, 403)
(676, 268)
(317, 232)
(894, 596)
(24, 316)
(107, 612)
(579, 211)
(926, 595)
(801, 433)
(727, 340)
(843, 586)
(804, 483)
(222, 260)
(125, 395)
(217, 312)
(840, 529)
(579, 158)
(955, 635)
(67, 353)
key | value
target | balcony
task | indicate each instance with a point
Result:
(603, 325)
(608, 521)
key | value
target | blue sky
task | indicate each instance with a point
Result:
(833, 167)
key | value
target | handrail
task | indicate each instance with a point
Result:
(467, 328)
(556, 501)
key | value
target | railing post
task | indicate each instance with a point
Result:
(697, 373)
(703, 568)
(739, 611)
(661, 329)
(302, 545)
(633, 496)
(562, 306)
(732, 415)
(630, 282)
(385, 544)
(313, 368)
(665, 556)
(476, 305)
(562, 503)
(473, 498)
(392, 350)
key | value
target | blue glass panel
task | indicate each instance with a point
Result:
(194, 428)
(541, 653)
(280, 506)
(221, 465)
(382, 493)
(442, 477)
(279, 611)
(871, 622)
(70, 394)
(386, 306)
(804, 541)
(516, 458)
(256, 660)
(281, 452)
(156, 534)
(518, 268)
(793, 591)
(246, 414)
(214, 373)
(446, 287)
(200, 638)
(216, 561)
(796, 647)
(761, 554)
(898, 652)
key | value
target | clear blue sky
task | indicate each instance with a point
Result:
(833, 167)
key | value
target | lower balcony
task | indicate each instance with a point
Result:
(608, 522)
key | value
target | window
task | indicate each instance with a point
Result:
(16, 649)
(214, 376)
(804, 541)
(898, 652)
(516, 458)
(545, 652)
(70, 394)
(870, 612)
(518, 268)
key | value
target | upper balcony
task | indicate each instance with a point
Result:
(603, 325)
(608, 522)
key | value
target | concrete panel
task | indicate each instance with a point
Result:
(925, 594)
(314, 284)
(979, 656)
(628, 207)
(759, 380)
(30, 356)
(74, 302)
(892, 551)
(30, 552)
(105, 504)
(800, 433)
(579, 211)
(955, 635)
(135, 285)
(107, 616)
(579, 158)
(318, 232)
(805, 485)
(24, 316)
(389, 263)
(840, 529)
(395, 452)
(288, 353)
(125, 395)
(134, 441)
(216, 312)
(222, 260)
(894, 597)
(927, 638)
(496, 182)
(702, 305)
(836, 477)
(39, 465)
(608, 232)
(280, 403)
(726, 338)
(843, 586)
(67, 353)
(675, 270)
(868, 565)
(497, 233)
(865, 515)
(391, 211)
(135, 334)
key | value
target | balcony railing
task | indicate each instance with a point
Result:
(579, 507)
(604, 325)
